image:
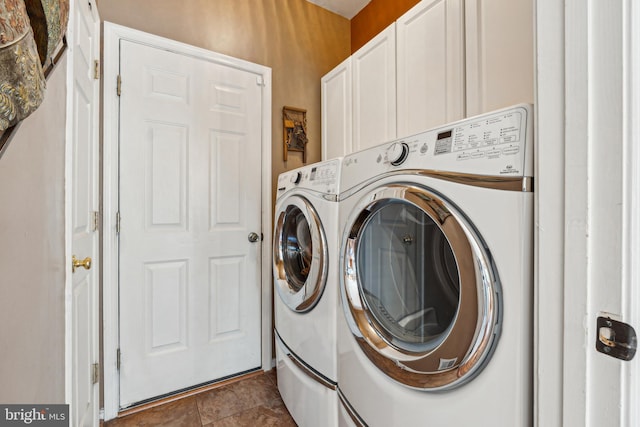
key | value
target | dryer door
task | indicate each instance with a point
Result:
(299, 254)
(419, 290)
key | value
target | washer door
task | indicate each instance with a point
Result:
(420, 293)
(299, 254)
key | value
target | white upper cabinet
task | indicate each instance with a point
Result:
(337, 111)
(374, 90)
(441, 61)
(430, 66)
(499, 54)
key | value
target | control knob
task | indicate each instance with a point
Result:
(296, 178)
(397, 153)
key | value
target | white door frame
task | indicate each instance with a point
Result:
(587, 85)
(68, 195)
(113, 34)
(631, 269)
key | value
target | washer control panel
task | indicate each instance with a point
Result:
(322, 177)
(497, 143)
(491, 137)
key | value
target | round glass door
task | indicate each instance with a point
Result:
(421, 294)
(299, 255)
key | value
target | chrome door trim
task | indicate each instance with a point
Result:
(475, 326)
(305, 298)
(504, 183)
(308, 371)
(359, 422)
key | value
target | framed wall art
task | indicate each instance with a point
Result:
(295, 131)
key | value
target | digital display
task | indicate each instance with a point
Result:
(443, 135)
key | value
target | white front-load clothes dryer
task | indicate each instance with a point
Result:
(436, 277)
(305, 267)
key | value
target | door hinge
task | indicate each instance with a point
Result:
(96, 70)
(119, 85)
(95, 220)
(615, 339)
(260, 81)
(118, 359)
(95, 376)
(118, 222)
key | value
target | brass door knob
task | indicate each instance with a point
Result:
(76, 263)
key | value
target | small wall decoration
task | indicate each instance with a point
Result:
(295, 131)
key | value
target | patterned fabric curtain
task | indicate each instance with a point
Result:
(22, 82)
(30, 33)
(49, 22)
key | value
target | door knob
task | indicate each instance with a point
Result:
(253, 237)
(77, 263)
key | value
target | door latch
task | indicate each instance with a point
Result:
(615, 339)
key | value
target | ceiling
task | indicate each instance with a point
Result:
(346, 8)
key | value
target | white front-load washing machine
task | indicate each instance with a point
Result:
(436, 266)
(305, 268)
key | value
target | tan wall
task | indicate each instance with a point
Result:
(299, 41)
(32, 253)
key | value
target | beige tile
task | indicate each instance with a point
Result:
(256, 391)
(252, 402)
(274, 415)
(182, 413)
(220, 403)
(273, 376)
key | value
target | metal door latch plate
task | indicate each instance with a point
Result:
(616, 339)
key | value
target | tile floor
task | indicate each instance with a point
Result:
(254, 402)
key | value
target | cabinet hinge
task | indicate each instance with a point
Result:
(118, 222)
(119, 85)
(96, 70)
(95, 220)
(260, 81)
(118, 359)
(95, 375)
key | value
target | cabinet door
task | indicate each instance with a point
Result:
(336, 111)
(430, 65)
(499, 58)
(374, 90)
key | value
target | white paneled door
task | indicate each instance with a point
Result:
(190, 199)
(82, 218)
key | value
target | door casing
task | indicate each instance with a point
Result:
(587, 62)
(74, 38)
(112, 36)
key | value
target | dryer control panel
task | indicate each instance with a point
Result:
(322, 177)
(499, 143)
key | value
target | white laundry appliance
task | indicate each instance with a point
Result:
(436, 270)
(305, 266)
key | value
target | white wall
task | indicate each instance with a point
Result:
(32, 253)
